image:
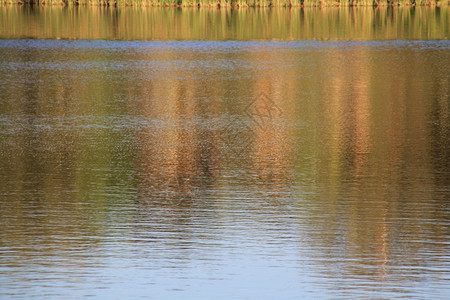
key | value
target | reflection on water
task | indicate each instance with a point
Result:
(141, 23)
(224, 169)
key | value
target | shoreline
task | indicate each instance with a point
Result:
(227, 4)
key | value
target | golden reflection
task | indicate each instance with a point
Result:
(271, 103)
(160, 23)
(179, 153)
(362, 160)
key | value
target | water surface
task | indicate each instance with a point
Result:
(224, 170)
(150, 23)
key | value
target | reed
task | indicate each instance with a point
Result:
(231, 3)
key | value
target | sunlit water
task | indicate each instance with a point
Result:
(224, 170)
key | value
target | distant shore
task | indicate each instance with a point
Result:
(229, 3)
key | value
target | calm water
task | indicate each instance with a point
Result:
(53, 22)
(224, 169)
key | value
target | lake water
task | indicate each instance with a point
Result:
(224, 168)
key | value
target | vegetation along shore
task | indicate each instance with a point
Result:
(232, 3)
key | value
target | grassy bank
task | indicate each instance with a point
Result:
(232, 3)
